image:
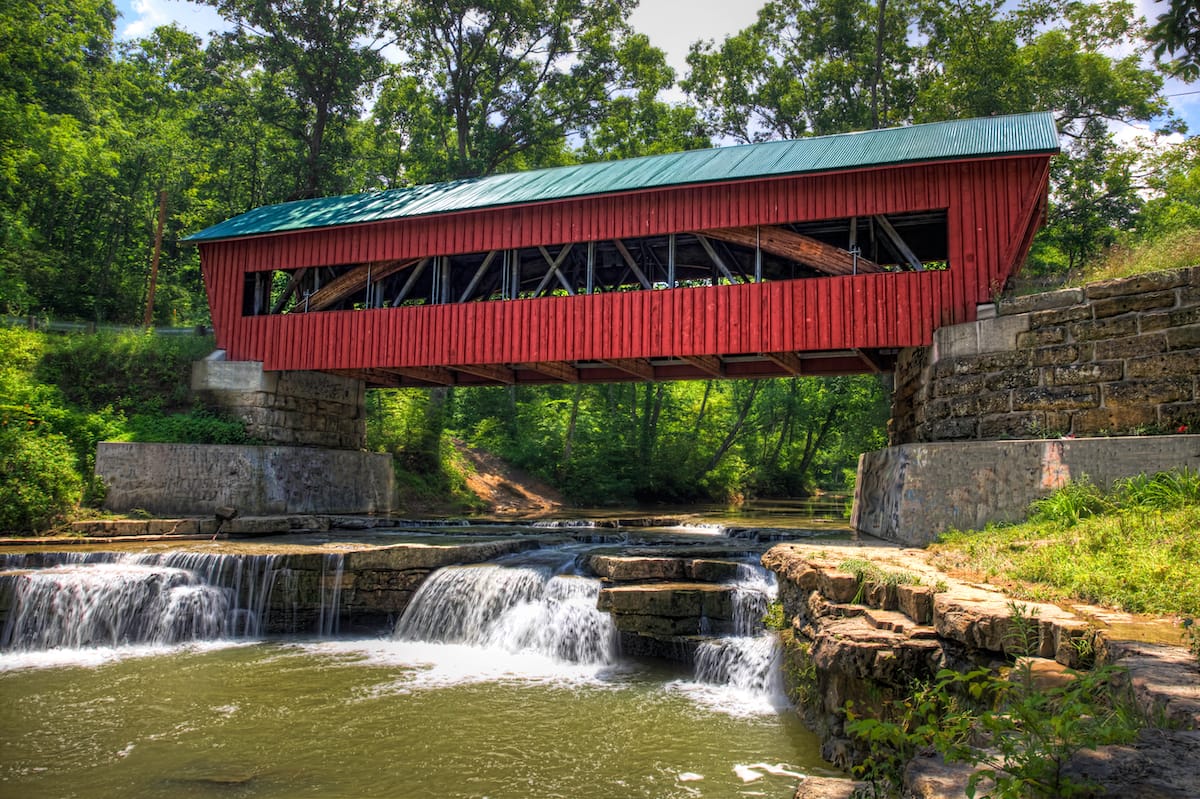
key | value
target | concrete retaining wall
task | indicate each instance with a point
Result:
(912, 492)
(195, 479)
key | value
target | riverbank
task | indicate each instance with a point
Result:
(866, 622)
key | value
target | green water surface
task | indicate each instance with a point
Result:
(286, 720)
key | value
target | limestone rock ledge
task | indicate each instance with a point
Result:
(867, 643)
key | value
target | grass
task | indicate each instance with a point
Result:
(1135, 548)
(1178, 249)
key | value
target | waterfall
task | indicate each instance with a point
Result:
(327, 623)
(73, 600)
(748, 662)
(527, 607)
(108, 605)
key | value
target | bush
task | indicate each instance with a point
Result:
(137, 372)
(197, 427)
(39, 483)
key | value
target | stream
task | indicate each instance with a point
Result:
(149, 674)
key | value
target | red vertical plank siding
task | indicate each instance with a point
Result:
(988, 208)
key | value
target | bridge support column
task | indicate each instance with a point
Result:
(997, 412)
(310, 409)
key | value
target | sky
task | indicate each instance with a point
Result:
(671, 24)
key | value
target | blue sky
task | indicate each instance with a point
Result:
(661, 20)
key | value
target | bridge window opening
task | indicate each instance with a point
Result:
(726, 256)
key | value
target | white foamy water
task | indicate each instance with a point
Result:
(96, 656)
(105, 600)
(741, 674)
(521, 607)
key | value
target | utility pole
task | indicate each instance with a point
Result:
(158, 234)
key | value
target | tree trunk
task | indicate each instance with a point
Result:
(731, 436)
(569, 439)
(878, 77)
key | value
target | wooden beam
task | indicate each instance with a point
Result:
(632, 264)
(478, 275)
(412, 280)
(638, 367)
(795, 247)
(289, 289)
(716, 259)
(555, 263)
(559, 370)
(870, 359)
(788, 361)
(890, 233)
(426, 374)
(709, 364)
(344, 285)
(494, 372)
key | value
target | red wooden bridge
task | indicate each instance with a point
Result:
(816, 256)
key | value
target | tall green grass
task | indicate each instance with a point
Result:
(1136, 547)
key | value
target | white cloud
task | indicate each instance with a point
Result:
(141, 17)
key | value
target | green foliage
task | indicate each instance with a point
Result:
(679, 442)
(1134, 548)
(799, 671)
(39, 483)
(128, 371)
(774, 618)
(869, 573)
(1019, 736)
(1078, 499)
(64, 394)
(196, 427)
(1023, 635)
(1176, 32)
(1191, 635)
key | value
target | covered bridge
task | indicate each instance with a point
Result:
(816, 256)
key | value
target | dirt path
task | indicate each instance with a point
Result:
(507, 490)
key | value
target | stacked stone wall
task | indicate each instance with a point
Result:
(1120, 357)
(308, 409)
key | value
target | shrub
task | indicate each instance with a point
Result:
(139, 372)
(1017, 735)
(39, 483)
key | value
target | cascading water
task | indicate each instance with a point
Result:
(104, 599)
(749, 660)
(526, 604)
(108, 605)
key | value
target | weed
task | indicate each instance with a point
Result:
(1019, 736)
(774, 618)
(1161, 491)
(1073, 502)
(799, 671)
(1191, 636)
(1139, 554)
(1022, 637)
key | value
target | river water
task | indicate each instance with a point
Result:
(500, 680)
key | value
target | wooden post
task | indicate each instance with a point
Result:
(148, 319)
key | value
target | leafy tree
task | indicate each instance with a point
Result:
(807, 67)
(320, 60)
(1177, 30)
(492, 85)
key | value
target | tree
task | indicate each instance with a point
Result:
(320, 61)
(807, 67)
(1177, 30)
(493, 85)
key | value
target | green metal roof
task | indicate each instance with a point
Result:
(1021, 134)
